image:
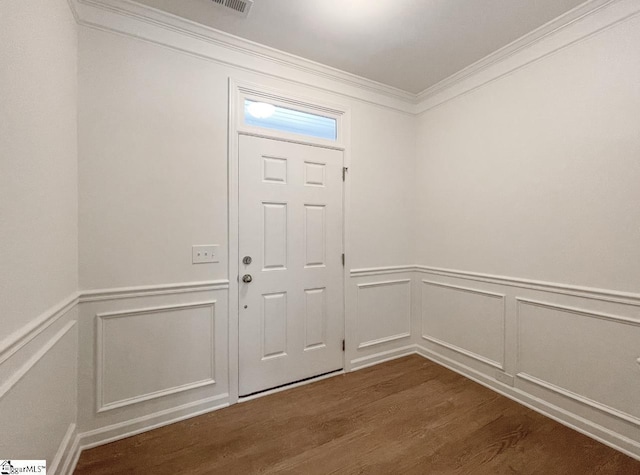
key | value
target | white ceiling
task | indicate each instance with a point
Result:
(409, 44)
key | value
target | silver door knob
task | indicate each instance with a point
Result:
(247, 278)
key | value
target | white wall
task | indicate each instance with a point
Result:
(38, 183)
(535, 175)
(38, 228)
(153, 182)
(529, 174)
(527, 225)
(153, 145)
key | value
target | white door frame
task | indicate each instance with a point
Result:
(238, 91)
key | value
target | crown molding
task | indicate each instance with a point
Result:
(525, 41)
(127, 17)
(576, 25)
(133, 19)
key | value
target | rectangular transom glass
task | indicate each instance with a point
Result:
(260, 114)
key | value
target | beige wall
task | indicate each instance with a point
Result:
(535, 175)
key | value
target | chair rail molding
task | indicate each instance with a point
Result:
(613, 296)
(21, 337)
(33, 360)
(151, 290)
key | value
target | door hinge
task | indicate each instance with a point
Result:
(343, 260)
(343, 345)
(344, 173)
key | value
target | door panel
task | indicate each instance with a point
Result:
(290, 198)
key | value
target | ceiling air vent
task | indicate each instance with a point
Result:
(240, 7)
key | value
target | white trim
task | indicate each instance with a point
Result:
(525, 41)
(31, 362)
(233, 233)
(122, 430)
(581, 399)
(237, 90)
(370, 271)
(589, 428)
(462, 351)
(483, 359)
(159, 27)
(386, 339)
(372, 360)
(21, 337)
(464, 289)
(558, 389)
(625, 298)
(246, 90)
(151, 290)
(383, 283)
(573, 27)
(73, 455)
(64, 449)
(162, 28)
(101, 406)
(579, 311)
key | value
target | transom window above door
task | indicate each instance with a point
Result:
(283, 119)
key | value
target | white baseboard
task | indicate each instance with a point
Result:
(122, 430)
(70, 453)
(71, 460)
(371, 360)
(595, 431)
(65, 451)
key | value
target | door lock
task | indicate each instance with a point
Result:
(246, 260)
(247, 278)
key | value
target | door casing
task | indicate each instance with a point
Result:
(238, 91)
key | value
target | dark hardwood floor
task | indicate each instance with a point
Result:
(405, 416)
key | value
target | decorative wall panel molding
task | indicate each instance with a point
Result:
(468, 321)
(148, 353)
(571, 352)
(383, 312)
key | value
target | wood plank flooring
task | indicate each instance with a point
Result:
(407, 416)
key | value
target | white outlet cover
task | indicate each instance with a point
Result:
(205, 254)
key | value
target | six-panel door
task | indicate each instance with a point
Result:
(291, 313)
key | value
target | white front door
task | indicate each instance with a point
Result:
(291, 311)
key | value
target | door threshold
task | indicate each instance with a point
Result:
(294, 384)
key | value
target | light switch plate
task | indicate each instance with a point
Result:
(205, 254)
